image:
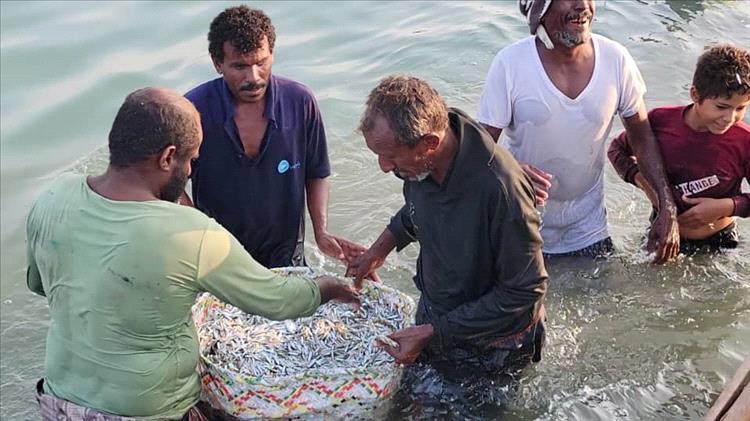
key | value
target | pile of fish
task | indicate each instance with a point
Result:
(336, 336)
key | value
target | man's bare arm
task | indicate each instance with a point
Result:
(664, 236)
(493, 131)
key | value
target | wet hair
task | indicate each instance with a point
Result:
(411, 107)
(148, 121)
(243, 27)
(722, 71)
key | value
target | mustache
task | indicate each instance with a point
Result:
(252, 86)
(580, 16)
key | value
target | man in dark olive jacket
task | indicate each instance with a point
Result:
(471, 208)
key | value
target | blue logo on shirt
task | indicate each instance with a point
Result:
(284, 166)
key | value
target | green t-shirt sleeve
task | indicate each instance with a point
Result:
(33, 277)
(227, 271)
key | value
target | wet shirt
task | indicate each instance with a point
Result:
(260, 200)
(563, 136)
(698, 164)
(480, 269)
(120, 279)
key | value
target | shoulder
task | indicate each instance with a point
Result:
(741, 131)
(183, 227)
(189, 218)
(660, 114)
(495, 162)
(609, 46)
(519, 50)
(291, 89)
(205, 93)
(62, 187)
(471, 127)
(513, 187)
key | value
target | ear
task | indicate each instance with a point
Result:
(431, 141)
(694, 95)
(167, 158)
(217, 65)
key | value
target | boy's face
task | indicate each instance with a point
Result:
(717, 115)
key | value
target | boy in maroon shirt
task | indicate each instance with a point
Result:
(706, 149)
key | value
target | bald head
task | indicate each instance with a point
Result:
(148, 121)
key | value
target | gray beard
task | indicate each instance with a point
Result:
(569, 40)
(419, 177)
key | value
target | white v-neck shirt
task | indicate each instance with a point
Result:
(563, 136)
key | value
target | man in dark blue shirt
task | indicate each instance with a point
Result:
(264, 147)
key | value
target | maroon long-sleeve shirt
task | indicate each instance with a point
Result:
(698, 164)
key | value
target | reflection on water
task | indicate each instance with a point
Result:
(625, 339)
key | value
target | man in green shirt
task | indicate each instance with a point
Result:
(121, 264)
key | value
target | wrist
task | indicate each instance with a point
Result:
(424, 332)
(666, 204)
(320, 232)
(384, 244)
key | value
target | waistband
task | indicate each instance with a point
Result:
(53, 408)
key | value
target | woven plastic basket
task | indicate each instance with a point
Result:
(331, 393)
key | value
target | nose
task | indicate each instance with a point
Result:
(581, 5)
(254, 75)
(385, 165)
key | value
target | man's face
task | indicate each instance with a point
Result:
(568, 22)
(717, 115)
(246, 74)
(409, 162)
(174, 187)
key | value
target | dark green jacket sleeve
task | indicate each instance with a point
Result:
(33, 278)
(402, 228)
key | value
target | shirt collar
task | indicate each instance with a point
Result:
(271, 99)
(474, 152)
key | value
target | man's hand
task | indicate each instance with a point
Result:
(335, 289)
(410, 342)
(541, 181)
(705, 211)
(365, 266)
(338, 248)
(664, 237)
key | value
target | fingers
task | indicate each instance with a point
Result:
(393, 348)
(541, 181)
(661, 254)
(690, 219)
(351, 251)
(373, 276)
(387, 341)
(349, 295)
(669, 251)
(674, 249)
(693, 200)
(359, 279)
(541, 196)
(393, 351)
(336, 249)
(537, 176)
(329, 245)
(665, 250)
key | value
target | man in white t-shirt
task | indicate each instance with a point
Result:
(554, 96)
